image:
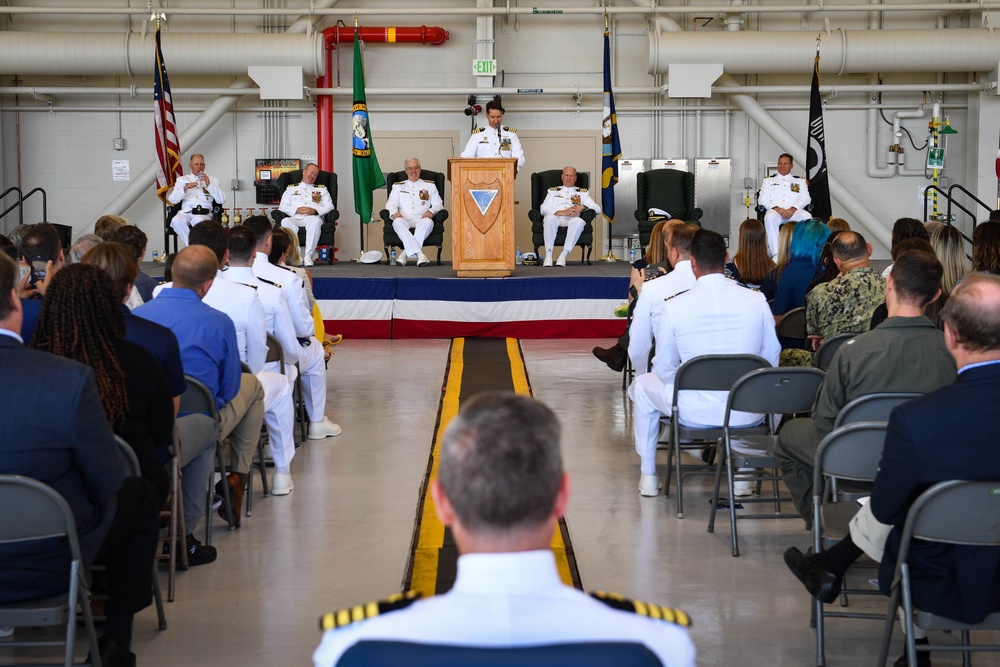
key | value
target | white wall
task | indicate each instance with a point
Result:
(69, 153)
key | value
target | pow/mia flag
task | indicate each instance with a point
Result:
(816, 173)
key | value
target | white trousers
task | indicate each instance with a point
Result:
(312, 223)
(773, 220)
(182, 224)
(651, 399)
(279, 417)
(313, 369)
(550, 227)
(413, 241)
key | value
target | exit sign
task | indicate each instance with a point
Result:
(484, 67)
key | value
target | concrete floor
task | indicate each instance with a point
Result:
(341, 537)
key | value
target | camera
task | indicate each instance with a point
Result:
(473, 109)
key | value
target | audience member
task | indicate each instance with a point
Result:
(196, 434)
(751, 262)
(648, 308)
(906, 353)
(311, 362)
(41, 253)
(934, 438)
(770, 284)
(107, 225)
(826, 268)
(933, 308)
(905, 228)
(279, 407)
(715, 316)
(804, 254)
(59, 435)
(837, 225)
(81, 247)
(845, 304)
(986, 247)
(501, 489)
(949, 246)
(132, 236)
(210, 353)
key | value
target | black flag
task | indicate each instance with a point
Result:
(816, 172)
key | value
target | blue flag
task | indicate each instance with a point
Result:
(612, 149)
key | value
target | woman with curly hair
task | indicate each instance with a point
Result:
(986, 248)
(81, 320)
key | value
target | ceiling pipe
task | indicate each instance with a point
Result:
(786, 142)
(423, 10)
(332, 38)
(844, 51)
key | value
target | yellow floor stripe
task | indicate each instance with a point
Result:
(431, 536)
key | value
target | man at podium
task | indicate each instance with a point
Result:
(495, 140)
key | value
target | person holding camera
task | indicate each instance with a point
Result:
(41, 251)
(196, 192)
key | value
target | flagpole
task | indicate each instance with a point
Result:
(158, 17)
(611, 148)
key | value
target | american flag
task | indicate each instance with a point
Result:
(168, 149)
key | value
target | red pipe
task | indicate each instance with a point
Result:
(435, 36)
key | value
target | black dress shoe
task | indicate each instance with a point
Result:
(923, 658)
(822, 585)
(613, 356)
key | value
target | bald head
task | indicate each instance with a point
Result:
(972, 316)
(193, 267)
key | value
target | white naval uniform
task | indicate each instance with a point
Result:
(313, 196)
(193, 198)
(648, 307)
(311, 363)
(484, 142)
(511, 600)
(716, 316)
(783, 192)
(279, 405)
(559, 198)
(412, 199)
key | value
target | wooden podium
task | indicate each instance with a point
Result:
(482, 214)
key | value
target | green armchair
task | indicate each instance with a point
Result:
(541, 181)
(668, 189)
(436, 237)
(329, 228)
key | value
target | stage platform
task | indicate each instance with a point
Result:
(379, 301)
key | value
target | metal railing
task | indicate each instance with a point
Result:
(16, 205)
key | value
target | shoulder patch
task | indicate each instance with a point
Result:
(361, 612)
(512, 130)
(673, 295)
(268, 282)
(478, 130)
(622, 603)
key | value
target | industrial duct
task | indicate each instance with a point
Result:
(844, 51)
(131, 53)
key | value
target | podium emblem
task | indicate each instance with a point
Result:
(483, 198)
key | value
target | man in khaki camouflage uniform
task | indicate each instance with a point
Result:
(846, 303)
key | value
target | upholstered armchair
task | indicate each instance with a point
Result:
(436, 237)
(541, 181)
(670, 190)
(329, 227)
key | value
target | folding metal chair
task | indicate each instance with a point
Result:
(766, 391)
(954, 512)
(197, 398)
(133, 469)
(793, 325)
(43, 514)
(851, 452)
(274, 354)
(828, 349)
(712, 372)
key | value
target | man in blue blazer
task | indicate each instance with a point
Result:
(944, 435)
(55, 430)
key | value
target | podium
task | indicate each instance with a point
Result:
(482, 214)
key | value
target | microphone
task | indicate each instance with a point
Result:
(499, 139)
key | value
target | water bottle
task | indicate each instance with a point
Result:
(156, 256)
(518, 257)
(392, 255)
(631, 255)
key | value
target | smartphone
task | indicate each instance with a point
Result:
(38, 265)
(22, 271)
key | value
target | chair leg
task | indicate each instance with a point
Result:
(158, 599)
(387, 260)
(680, 476)
(715, 493)
(817, 612)
(890, 621)
(439, 255)
(732, 503)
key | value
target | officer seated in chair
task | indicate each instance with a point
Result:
(501, 489)
(197, 194)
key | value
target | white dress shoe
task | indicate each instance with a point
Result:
(401, 260)
(649, 485)
(308, 261)
(281, 485)
(562, 260)
(422, 259)
(548, 261)
(743, 488)
(323, 429)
